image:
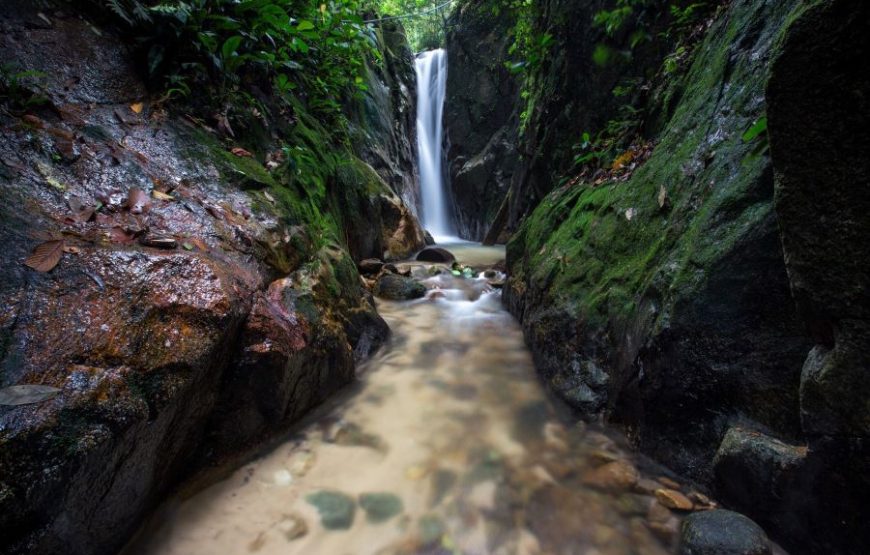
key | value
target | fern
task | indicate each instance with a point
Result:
(131, 11)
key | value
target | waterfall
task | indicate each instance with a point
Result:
(431, 87)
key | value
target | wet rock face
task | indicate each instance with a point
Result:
(386, 118)
(480, 116)
(186, 317)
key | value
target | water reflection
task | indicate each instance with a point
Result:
(448, 445)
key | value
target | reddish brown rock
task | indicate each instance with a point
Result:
(673, 499)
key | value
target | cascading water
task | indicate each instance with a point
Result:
(431, 87)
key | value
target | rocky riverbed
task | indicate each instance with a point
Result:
(449, 444)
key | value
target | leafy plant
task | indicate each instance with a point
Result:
(20, 90)
(242, 49)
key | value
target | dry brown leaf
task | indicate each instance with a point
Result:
(160, 195)
(45, 256)
(198, 243)
(72, 250)
(137, 201)
(30, 119)
(240, 152)
(120, 235)
(137, 107)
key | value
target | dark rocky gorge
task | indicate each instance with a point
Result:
(698, 314)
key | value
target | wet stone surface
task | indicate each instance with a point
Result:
(447, 445)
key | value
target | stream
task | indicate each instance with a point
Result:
(447, 443)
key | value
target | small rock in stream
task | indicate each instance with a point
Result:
(436, 254)
(398, 288)
(370, 266)
(721, 532)
(613, 476)
(380, 507)
(673, 499)
(336, 509)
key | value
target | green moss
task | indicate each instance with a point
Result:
(579, 248)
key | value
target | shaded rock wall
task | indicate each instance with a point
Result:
(665, 302)
(165, 358)
(572, 94)
(480, 115)
(385, 122)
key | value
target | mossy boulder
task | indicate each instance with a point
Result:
(395, 287)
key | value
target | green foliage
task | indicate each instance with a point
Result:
(755, 130)
(241, 50)
(426, 25)
(20, 90)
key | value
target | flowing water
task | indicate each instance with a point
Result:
(431, 88)
(446, 444)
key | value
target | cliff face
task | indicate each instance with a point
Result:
(201, 300)
(480, 115)
(385, 121)
(684, 299)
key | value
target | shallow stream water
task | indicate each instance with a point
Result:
(447, 444)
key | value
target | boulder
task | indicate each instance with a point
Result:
(755, 472)
(721, 532)
(370, 266)
(398, 288)
(436, 254)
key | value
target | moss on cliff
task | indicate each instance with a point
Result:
(673, 281)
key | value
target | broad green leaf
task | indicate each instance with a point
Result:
(230, 46)
(756, 129)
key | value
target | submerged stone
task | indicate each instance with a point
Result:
(431, 529)
(380, 507)
(336, 509)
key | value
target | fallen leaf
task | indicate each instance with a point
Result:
(124, 117)
(269, 197)
(160, 195)
(45, 256)
(45, 171)
(629, 214)
(72, 250)
(15, 165)
(119, 235)
(663, 196)
(240, 152)
(34, 121)
(61, 133)
(81, 213)
(199, 243)
(622, 159)
(26, 394)
(159, 240)
(137, 107)
(137, 201)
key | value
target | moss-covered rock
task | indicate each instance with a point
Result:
(662, 301)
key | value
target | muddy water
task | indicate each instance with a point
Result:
(448, 444)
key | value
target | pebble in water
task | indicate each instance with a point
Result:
(336, 509)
